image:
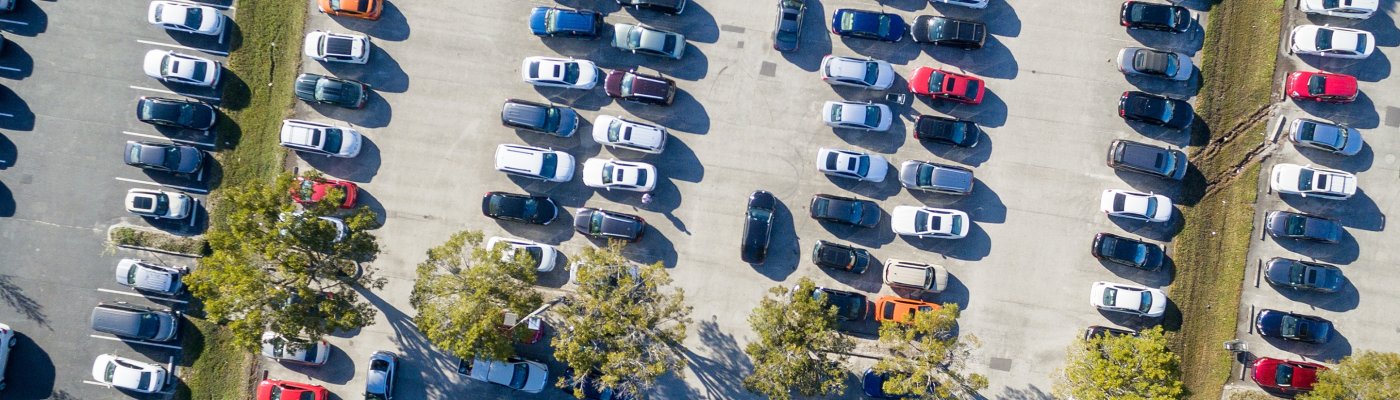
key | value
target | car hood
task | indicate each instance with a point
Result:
(151, 64)
(1269, 323)
(902, 219)
(1265, 370)
(1285, 176)
(535, 383)
(1354, 142)
(1305, 37)
(1279, 270)
(537, 20)
(622, 33)
(1276, 222)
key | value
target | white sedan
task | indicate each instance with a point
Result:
(614, 174)
(128, 374)
(545, 256)
(1130, 299)
(929, 222)
(186, 17)
(1353, 9)
(1310, 181)
(850, 164)
(864, 116)
(1136, 205)
(1328, 41)
(616, 132)
(859, 72)
(279, 348)
(565, 73)
(169, 66)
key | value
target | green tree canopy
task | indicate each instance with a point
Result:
(462, 292)
(1122, 367)
(1363, 376)
(798, 349)
(621, 326)
(926, 358)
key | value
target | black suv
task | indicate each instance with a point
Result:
(1157, 17)
(850, 306)
(944, 31)
(600, 224)
(1124, 251)
(758, 226)
(539, 210)
(666, 6)
(175, 113)
(632, 85)
(1132, 156)
(313, 88)
(1155, 109)
(788, 32)
(946, 130)
(542, 118)
(1291, 225)
(845, 210)
(841, 257)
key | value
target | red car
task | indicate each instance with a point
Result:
(306, 190)
(947, 85)
(1292, 376)
(272, 389)
(1321, 86)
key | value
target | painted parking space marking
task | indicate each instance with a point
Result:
(184, 188)
(10, 21)
(11, 69)
(189, 142)
(205, 98)
(117, 339)
(7, 115)
(142, 295)
(176, 46)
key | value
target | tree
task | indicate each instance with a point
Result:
(620, 327)
(273, 267)
(927, 358)
(798, 348)
(1367, 375)
(462, 293)
(1122, 367)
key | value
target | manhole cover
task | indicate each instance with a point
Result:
(1392, 116)
(768, 69)
(732, 28)
(1001, 364)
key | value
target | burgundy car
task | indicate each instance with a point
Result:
(632, 85)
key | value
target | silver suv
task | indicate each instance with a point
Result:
(934, 177)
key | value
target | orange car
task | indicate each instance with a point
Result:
(892, 308)
(362, 9)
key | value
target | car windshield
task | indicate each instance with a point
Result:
(885, 22)
(1283, 376)
(935, 81)
(529, 207)
(1110, 296)
(608, 174)
(862, 165)
(921, 220)
(193, 18)
(872, 72)
(1317, 85)
(1296, 272)
(836, 112)
(1151, 206)
(131, 274)
(199, 70)
(571, 73)
(517, 380)
(1305, 179)
(1295, 225)
(1139, 254)
(924, 177)
(162, 203)
(956, 131)
(1329, 4)
(634, 38)
(1168, 108)
(332, 142)
(168, 66)
(172, 158)
(1146, 303)
(111, 370)
(1361, 43)
(669, 45)
(306, 189)
(971, 91)
(872, 116)
(955, 223)
(627, 81)
(1324, 39)
(552, 116)
(1288, 326)
(595, 224)
(548, 162)
(150, 324)
(1171, 67)
(848, 21)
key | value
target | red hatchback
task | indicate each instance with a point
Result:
(1321, 86)
(272, 389)
(306, 190)
(947, 85)
(1292, 376)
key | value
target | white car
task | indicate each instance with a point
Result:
(315, 137)
(516, 373)
(616, 132)
(978, 4)
(864, 116)
(545, 256)
(1354, 9)
(149, 277)
(169, 66)
(125, 373)
(566, 73)
(535, 163)
(867, 73)
(159, 204)
(341, 230)
(7, 342)
(186, 17)
(1136, 205)
(850, 164)
(1310, 181)
(279, 348)
(929, 222)
(1328, 41)
(337, 47)
(614, 174)
(1130, 299)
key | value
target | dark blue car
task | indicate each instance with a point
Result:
(868, 25)
(553, 21)
(1296, 327)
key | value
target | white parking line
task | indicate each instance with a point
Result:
(7, 115)
(10, 21)
(218, 6)
(206, 98)
(176, 46)
(10, 69)
(189, 142)
(187, 189)
(142, 295)
(96, 383)
(117, 339)
(194, 216)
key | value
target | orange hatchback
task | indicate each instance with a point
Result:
(362, 9)
(892, 308)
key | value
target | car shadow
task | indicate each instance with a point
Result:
(886, 142)
(1188, 42)
(9, 154)
(696, 23)
(360, 169)
(366, 198)
(1336, 348)
(32, 20)
(976, 246)
(1000, 17)
(376, 113)
(1171, 88)
(1345, 299)
(873, 237)
(653, 248)
(906, 5)
(1180, 138)
(1359, 114)
(874, 190)
(990, 114)
(1358, 212)
(339, 367)
(383, 73)
(18, 63)
(897, 53)
(1159, 231)
(392, 24)
(1358, 163)
(1345, 251)
(1160, 278)
(814, 41)
(1148, 183)
(974, 156)
(868, 282)
(1135, 322)
(955, 293)
(784, 246)
(993, 60)
(429, 363)
(592, 100)
(1374, 68)
(20, 118)
(31, 373)
(679, 162)
(685, 114)
(204, 45)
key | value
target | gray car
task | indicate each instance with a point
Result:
(647, 40)
(136, 322)
(1325, 136)
(1291, 225)
(379, 380)
(537, 117)
(1144, 158)
(934, 177)
(1303, 275)
(1155, 63)
(166, 157)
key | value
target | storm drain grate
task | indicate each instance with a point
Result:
(1001, 364)
(768, 69)
(1392, 117)
(732, 28)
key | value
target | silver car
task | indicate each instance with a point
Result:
(647, 40)
(934, 177)
(379, 380)
(148, 277)
(1155, 63)
(1325, 136)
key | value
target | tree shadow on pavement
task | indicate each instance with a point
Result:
(21, 302)
(720, 365)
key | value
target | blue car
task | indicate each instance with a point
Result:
(868, 25)
(554, 21)
(1295, 327)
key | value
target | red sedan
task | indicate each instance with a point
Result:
(272, 389)
(1321, 86)
(947, 85)
(1292, 376)
(306, 190)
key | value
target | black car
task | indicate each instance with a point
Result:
(1303, 275)
(1155, 109)
(539, 210)
(176, 113)
(951, 32)
(841, 257)
(1132, 156)
(166, 157)
(666, 6)
(1291, 225)
(758, 227)
(554, 21)
(946, 130)
(313, 88)
(1157, 17)
(1100, 331)
(1295, 327)
(845, 210)
(632, 85)
(537, 117)
(850, 306)
(600, 224)
(1130, 252)
(789, 30)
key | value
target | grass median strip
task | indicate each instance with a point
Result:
(143, 238)
(213, 368)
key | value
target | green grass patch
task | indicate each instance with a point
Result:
(211, 366)
(127, 236)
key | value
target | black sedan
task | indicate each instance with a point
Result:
(175, 113)
(601, 224)
(1295, 327)
(539, 210)
(868, 25)
(951, 32)
(789, 26)
(850, 306)
(758, 227)
(1291, 225)
(665, 6)
(845, 210)
(322, 89)
(1157, 17)
(1303, 275)
(841, 257)
(166, 157)
(947, 130)
(1130, 252)
(1155, 109)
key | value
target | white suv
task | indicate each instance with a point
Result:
(616, 132)
(337, 47)
(535, 163)
(159, 204)
(315, 137)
